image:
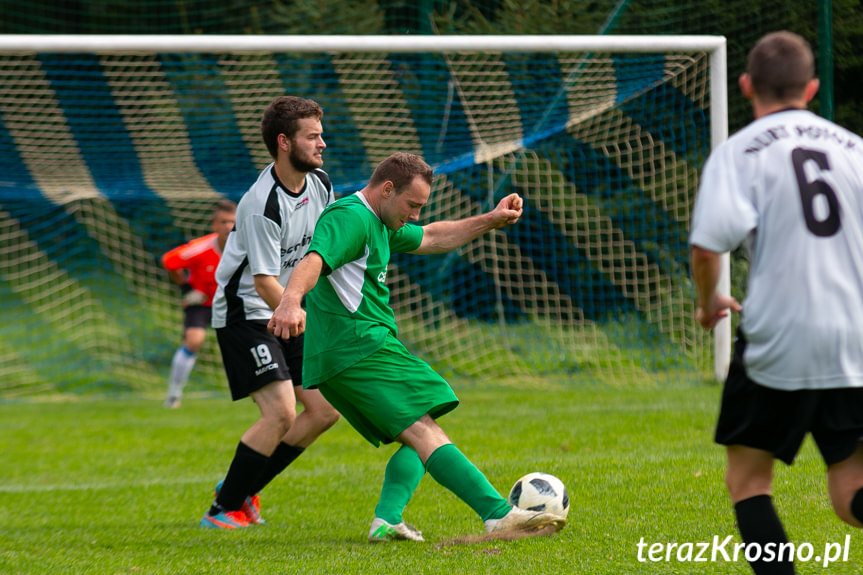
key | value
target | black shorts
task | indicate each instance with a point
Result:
(253, 357)
(777, 421)
(197, 316)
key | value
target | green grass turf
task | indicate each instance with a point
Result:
(117, 486)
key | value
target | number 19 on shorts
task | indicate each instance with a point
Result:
(263, 358)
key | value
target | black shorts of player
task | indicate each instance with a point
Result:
(777, 421)
(253, 357)
(197, 316)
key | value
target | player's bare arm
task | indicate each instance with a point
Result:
(712, 306)
(440, 237)
(289, 317)
(269, 288)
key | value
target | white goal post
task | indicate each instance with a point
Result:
(710, 48)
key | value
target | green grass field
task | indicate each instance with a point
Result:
(118, 486)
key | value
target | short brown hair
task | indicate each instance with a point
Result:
(225, 205)
(780, 66)
(401, 168)
(281, 117)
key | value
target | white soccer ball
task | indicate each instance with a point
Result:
(539, 491)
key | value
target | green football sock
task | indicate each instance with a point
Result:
(404, 472)
(449, 467)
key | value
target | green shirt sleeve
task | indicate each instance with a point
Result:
(340, 236)
(406, 239)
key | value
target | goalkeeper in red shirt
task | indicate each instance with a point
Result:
(193, 267)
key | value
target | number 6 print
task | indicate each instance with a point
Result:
(810, 190)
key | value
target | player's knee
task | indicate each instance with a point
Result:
(193, 346)
(325, 417)
(742, 486)
(730, 483)
(193, 339)
(735, 486)
(332, 416)
(318, 410)
(282, 419)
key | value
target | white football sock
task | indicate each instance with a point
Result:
(181, 367)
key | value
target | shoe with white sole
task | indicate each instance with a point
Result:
(524, 520)
(383, 531)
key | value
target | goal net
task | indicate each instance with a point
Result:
(114, 150)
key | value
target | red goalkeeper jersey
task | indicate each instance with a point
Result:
(201, 257)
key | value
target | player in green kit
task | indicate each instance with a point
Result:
(352, 353)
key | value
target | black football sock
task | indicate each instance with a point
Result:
(283, 456)
(758, 523)
(245, 468)
(857, 505)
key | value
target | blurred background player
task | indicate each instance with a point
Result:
(193, 267)
(275, 221)
(790, 187)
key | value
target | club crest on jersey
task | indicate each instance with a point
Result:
(382, 277)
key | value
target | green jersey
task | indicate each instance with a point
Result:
(348, 312)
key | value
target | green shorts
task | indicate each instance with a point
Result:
(383, 394)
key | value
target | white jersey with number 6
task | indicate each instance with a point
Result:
(789, 186)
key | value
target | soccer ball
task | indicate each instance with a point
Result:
(540, 492)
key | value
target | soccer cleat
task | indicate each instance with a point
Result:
(524, 520)
(383, 531)
(251, 506)
(225, 520)
(172, 402)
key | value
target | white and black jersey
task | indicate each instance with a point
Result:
(789, 186)
(273, 229)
